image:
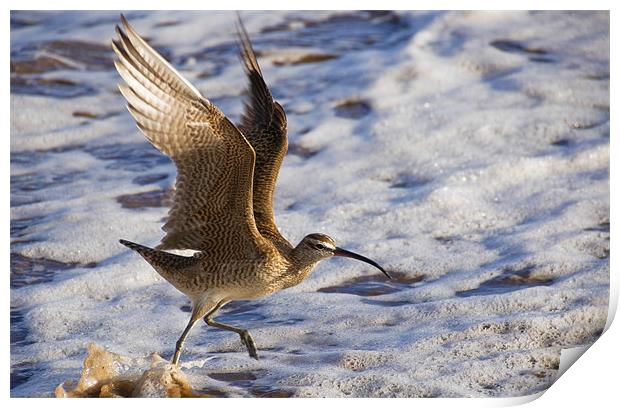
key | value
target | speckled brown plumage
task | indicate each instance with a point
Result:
(223, 201)
(264, 125)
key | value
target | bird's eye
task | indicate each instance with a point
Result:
(320, 247)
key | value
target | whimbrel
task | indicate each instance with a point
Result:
(223, 200)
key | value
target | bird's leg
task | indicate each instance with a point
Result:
(181, 341)
(246, 338)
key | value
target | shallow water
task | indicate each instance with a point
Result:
(470, 159)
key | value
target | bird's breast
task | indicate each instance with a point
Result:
(295, 275)
(244, 279)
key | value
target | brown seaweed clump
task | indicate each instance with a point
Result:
(107, 374)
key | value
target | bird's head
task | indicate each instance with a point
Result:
(316, 247)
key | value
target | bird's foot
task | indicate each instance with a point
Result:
(247, 339)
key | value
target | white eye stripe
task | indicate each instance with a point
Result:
(323, 245)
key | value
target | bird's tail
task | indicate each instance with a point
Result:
(163, 262)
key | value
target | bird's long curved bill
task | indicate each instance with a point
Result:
(349, 254)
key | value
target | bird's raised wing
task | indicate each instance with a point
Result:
(264, 125)
(212, 208)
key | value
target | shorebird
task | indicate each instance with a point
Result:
(223, 199)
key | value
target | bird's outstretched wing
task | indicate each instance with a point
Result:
(264, 125)
(212, 209)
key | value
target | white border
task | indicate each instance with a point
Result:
(592, 380)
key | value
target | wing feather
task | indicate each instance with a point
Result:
(212, 207)
(264, 125)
